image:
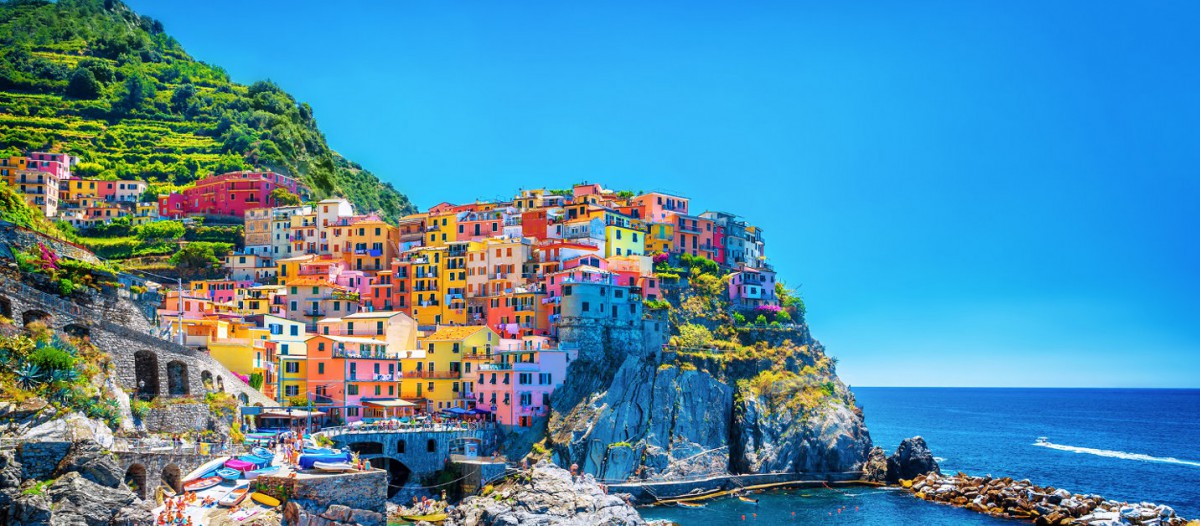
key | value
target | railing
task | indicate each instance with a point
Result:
(431, 374)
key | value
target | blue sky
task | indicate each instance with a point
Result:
(966, 193)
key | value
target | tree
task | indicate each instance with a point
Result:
(83, 85)
(181, 96)
(199, 255)
(138, 90)
(283, 197)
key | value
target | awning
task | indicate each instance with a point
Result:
(387, 402)
(295, 413)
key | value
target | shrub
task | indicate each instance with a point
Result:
(694, 336)
(739, 318)
(139, 408)
(52, 359)
(760, 320)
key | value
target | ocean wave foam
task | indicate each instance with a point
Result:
(1116, 454)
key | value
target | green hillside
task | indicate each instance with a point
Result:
(95, 79)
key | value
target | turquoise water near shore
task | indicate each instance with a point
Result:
(1125, 444)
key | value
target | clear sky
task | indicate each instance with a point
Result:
(966, 193)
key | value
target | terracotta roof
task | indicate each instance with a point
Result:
(453, 333)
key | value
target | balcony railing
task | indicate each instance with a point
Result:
(431, 374)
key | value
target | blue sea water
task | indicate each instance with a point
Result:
(1126, 444)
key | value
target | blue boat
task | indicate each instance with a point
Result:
(229, 475)
(257, 461)
(262, 452)
(319, 451)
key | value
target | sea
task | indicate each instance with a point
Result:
(1124, 444)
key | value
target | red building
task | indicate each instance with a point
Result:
(230, 194)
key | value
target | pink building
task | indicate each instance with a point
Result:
(752, 287)
(517, 386)
(659, 207)
(231, 194)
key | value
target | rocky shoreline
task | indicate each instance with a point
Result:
(1044, 505)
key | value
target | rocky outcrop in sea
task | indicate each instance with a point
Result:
(1044, 505)
(545, 495)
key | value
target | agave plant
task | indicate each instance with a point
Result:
(61, 396)
(30, 376)
(64, 375)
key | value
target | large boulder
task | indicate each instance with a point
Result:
(79, 501)
(93, 463)
(911, 459)
(547, 496)
(30, 510)
(46, 446)
(10, 470)
(875, 469)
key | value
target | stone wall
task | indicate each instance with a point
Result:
(143, 363)
(422, 452)
(151, 469)
(180, 418)
(17, 237)
(343, 498)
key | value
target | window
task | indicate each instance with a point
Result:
(295, 330)
(526, 399)
(291, 367)
(544, 379)
(431, 445)
(585, 306)
(291, 390)
(352, 389)
(352, 411)
(320, 368)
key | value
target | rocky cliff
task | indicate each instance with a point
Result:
(718, 399)
(60, 472)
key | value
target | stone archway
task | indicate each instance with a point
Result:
(398, 473)
(177, 379)
(145, 369)
(35, 315)
(206, 378)
(6, 307)
(77, 330)
(221, 384)
(135, 478)
(172, 478)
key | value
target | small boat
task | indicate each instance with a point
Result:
(201, 484)
(238, 464)
(334, 467)
(233, 498)
(256, 460)
(432, 517)
(690, 504)
(1041, 440)
(320, 451)
(229, 475)
(262, 452)
(744, 498)
(205, 469)
(265, 499)
(269, 470)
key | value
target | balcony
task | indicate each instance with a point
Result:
(374, 378)
(453, 375)
(373, 355)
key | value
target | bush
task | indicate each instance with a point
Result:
(760, 320)
(739, 318)
(139, 408)
(694, 336)
(52, 358)
(65, 286)
(160, 231)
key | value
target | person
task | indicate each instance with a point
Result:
(574, 471)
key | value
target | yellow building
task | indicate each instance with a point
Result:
(437, 375)
(258, 227)
(441, 228)
(291, 369)
(372, 244)
(660, 238)
(439, 281)
(144, 213)
(76, 189)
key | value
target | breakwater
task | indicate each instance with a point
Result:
(1044, 505)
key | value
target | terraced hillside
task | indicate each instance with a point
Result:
(95, 79)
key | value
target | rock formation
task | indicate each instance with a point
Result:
(62, 474)
(1045, 506)
(545, 495)
(911, 459)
